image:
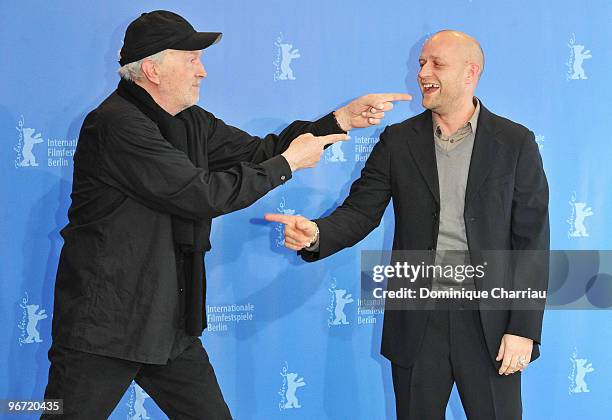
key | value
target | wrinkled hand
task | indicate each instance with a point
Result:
(512, 350)
(299, 231)
(367, 110)
(306, 150)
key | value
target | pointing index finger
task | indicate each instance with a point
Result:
(391, 97)
(280, 218)
(332, 138)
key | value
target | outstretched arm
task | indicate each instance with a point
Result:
(360, 213)
(229, 146)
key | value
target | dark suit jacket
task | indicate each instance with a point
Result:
(506, 208)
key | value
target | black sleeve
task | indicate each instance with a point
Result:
(141, 163)
(530, 232)
(229, 146)
(362, 210)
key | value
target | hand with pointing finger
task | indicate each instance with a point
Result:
(367, 110)
(306, 150)
(300, 232)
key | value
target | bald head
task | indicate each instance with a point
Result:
(451, 64)
(465, 45)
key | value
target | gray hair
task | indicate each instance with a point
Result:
(133, 71)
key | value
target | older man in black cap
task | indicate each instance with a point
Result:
(151, 170)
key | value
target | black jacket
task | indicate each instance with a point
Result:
(116, 291)
(506, 208)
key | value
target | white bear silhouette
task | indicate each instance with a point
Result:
(293, 383)
(29, 140)
(582, 211)
(287, 55)
(140, 412)
(342, 298)
(581, 370)
(337, 155)
(33, 318)
(579, 56)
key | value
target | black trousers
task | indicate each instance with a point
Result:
(91, 385)
(454, 350)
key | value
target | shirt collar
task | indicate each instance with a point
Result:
(471, 124)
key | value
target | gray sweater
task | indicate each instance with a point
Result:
(453, 154)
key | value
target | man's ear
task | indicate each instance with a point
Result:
(473, 73)
(150, 70)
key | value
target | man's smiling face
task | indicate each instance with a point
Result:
(444, 72)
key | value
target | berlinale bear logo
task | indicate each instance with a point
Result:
(334, 153)
(28, 137)
(285, 55)
(136, 403)
(339, 299)
(577, 56)
(580, 368)
(580, 211)
(291, 382)
(29, 321)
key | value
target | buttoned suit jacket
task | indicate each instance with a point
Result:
(506, 208)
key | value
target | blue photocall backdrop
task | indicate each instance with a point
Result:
(287, 339)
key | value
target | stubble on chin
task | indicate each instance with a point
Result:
(189, 100)
(193, 101)
(430, 105)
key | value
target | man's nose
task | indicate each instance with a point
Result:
(424, 72)
(201, 71)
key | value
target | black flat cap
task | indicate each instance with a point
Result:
(161, 30)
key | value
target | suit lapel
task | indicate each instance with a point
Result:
(424, 153)
(484, 153)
